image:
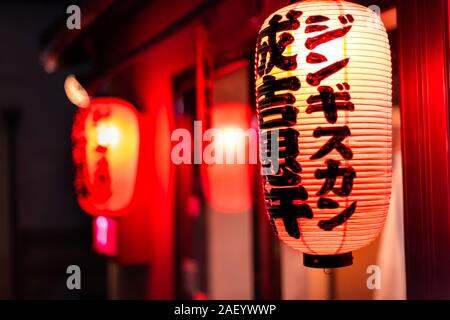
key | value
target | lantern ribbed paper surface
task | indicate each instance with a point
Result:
(323, 80)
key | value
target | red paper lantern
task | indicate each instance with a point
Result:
(232, 120)
(105, 139)
(323, 83)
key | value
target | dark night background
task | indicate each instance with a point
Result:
(49, 230)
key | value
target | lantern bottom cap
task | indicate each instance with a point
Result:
(327, 261)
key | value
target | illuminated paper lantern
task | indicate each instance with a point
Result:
(323, 84)
(232, 120)
(105, 139)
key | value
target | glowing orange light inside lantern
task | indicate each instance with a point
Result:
(326, 88)
(230, 139)
(106, 152)
(231, 120)
(108, 136)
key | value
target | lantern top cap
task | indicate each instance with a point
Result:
(340, 4)
(367, 17)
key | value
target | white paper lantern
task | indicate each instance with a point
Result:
(323, 80)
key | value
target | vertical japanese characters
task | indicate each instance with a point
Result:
(99, 191)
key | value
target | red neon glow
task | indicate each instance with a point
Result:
(106, 152)
(105, 236)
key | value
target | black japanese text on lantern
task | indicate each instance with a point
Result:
(285, 196)
(101, 187)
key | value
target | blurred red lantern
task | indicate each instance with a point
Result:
(323, 83)
(232, 120)
(105, 139)
(110, 178)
